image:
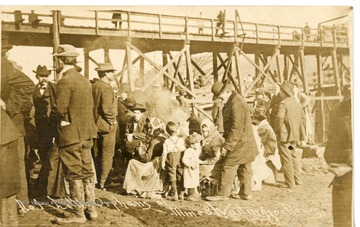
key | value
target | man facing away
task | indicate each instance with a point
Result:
(339, 155)
(289, 129)
(76, 133)
(105, 112)
(240, 148)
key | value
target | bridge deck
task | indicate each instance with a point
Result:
(154, 32)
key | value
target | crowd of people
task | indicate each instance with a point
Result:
(82, 132)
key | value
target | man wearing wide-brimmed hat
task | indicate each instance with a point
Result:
(77, 130)
(289, 129)
(240, 148)
(134, 124)
(46, 121)
(105, 112)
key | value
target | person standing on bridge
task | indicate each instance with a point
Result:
(240, 147)
(76, 133)
(116, 19)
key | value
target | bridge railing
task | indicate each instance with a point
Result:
(194, 27)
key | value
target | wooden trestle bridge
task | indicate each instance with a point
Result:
(262, 45)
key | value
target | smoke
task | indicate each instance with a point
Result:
(163, 104)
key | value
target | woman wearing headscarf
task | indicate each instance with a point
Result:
(143, 175)
(210, 150)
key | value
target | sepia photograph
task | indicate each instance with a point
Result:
(177, 115)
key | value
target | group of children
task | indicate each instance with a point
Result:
(180, 160)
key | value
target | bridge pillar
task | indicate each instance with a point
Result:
(303, 70)
(215, 66)
(336, 71)
(56, 40)
(86, 62)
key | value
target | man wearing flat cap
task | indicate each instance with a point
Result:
(289, 130)
(77, 130)
(46, 121)
(240, 148)
(105, 112)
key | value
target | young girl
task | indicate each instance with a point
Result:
(173, 150)
(191, 165)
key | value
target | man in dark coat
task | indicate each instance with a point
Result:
(44, 99)
(76, 133)
(105, 112)
(289, 130)
(240, 148)
(339, 155)
(16, 92)
(9, 169)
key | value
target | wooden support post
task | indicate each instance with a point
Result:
(189, 71)
(320, 93)
(142, 69)
(336, 71)
(165, 62)
(239, 77)
(257, 72)
(124, 66)
(286, 68)
(129, 68)
(56, 41)
(86, 63)
(107, 55)
(215, 69)
(279, 73)
(303, 71)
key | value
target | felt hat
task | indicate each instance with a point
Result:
(66, 50)
(129, 102)
(42, 71)
(138, 106)
(217, 89)
(288, 87)
(105, 67)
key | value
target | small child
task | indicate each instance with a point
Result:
(173, 150)
(191, 165)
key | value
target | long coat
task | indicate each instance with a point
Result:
(339, 148)
(105, 104)
(290, 121)
(75, 105)
(9, 161)
(238, 133)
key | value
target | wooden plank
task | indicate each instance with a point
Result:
(215, 68)
(86, 63)
(336, 71)
(189, 70)
(240, 80)
(198, 67)
(129, 66)
(303, 71)
(93, 60)
(56, 41)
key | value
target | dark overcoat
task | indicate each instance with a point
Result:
(105, 105)
(238, 133)
(9, 161)
(75, 105)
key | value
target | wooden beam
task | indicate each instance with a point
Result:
(86, 63)
(93, 60)
(56, 41)
(107, 55)
(336, 71)
(294, 64)
(286, 68)
(260, 70)
(215, 68)
(303, 71)
(142, 68)
(164, 63)
(240, 79)
(176, 73)
(129, 66)
(161, 71)
(198, 67)
(189, 71)
(121, 80)
(319, 72)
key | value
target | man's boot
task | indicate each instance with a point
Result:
(90, 209)
(77, 195)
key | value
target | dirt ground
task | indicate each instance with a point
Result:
(306, 205)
